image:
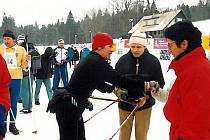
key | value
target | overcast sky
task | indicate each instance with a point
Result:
(49, 11)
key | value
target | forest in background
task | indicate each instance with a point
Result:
(116, 20)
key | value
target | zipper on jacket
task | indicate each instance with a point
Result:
(137, 66)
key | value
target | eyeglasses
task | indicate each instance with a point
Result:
(170, 43)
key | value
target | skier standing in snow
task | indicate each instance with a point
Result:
(90, 74)
(188, 107)
(17, 60)
(70, 51)
(28, 77)
(75, 57)
(60, 65)
(4, 95)
(44, 74)
(138, 63)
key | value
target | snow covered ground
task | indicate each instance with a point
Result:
(101, 127)
(203, 26)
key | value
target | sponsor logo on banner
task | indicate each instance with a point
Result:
(160, 43)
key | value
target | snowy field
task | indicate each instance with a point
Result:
(101, 127)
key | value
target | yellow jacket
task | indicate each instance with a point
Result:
(16, 73)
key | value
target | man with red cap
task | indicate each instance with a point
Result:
(93, 72)
(4, 95)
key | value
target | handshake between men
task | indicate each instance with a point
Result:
(122, 93)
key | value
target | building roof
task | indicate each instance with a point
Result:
(162, 21)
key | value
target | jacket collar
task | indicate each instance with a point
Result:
(187, 60)
(14, 47)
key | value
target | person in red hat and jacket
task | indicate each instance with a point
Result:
(93, 72)
(187, 107)
(4, 95)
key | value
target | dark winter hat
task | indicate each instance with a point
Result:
(101, 39)
(49, 50)
(9, 33)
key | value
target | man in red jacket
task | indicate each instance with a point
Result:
(188, 105)
(4, 95)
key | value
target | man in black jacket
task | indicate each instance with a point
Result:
(90, 74)
(44, 74)
(138, 63)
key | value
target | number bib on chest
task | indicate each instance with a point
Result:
(11, 60)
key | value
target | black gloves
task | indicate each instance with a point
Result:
(89, 105)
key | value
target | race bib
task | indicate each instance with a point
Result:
(11, 60)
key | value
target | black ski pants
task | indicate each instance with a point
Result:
(70, 122)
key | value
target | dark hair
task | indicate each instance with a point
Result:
(9, 33)
(184, 30)
(48, 50)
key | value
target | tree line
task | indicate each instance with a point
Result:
(117, 19)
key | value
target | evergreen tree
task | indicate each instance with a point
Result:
(8, 23)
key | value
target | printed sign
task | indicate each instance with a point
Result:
(160, 43)
(164, 55)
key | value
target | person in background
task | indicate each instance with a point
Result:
(26, 91)
(17, 60)
(70, 55)
(187, 107)
(4, 95)
(75, 57)
(94, 72)
(44, 74)
(60, 65)
(138, 63)
(84, 52)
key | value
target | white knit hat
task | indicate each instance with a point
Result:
(138, 38)
(60, 41)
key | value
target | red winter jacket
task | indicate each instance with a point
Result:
(188, 105)
(4, 84)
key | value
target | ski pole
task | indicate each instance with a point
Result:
(100, 111)
(105, 99)
(13, 116)
(133, 111)
(30, 88)
(117, 100)
(141, 103)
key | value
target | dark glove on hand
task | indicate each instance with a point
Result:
(89, 106)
